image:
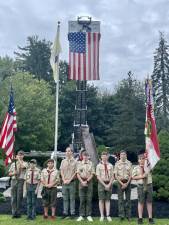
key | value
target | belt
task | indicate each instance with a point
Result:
(124, 180)
(106, 182)
(84, 179)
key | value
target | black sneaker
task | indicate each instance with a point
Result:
(140, 221)
(65, 216)
(14, 216)
(151, 221)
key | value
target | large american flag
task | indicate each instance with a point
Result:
(84, 55)
(9, 127)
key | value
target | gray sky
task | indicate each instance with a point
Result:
(129, 30)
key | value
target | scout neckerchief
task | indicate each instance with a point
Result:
(106, 169)
(49, 174)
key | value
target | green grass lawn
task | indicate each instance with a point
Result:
(7, 220)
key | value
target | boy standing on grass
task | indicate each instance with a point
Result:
(17, 173)
(68, 174)
(32, 178)
(85, 172)
(105, 176)
(49, 179)
(144, 189)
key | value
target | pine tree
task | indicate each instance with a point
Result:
(160, 81)
(34, 58)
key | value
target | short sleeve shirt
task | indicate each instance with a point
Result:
(123, 170)
(68, 168)
(21, 171)
(32, 176)
(50, 176)
(85, 169)
(137, 171)
(105, 173)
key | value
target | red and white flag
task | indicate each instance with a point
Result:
(152, 145)
(9, 127)
(84, 55)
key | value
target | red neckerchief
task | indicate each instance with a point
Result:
(49, 174)
(105, 169)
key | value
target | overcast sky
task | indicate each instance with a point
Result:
(129, 30)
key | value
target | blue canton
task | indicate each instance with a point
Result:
(77, 42)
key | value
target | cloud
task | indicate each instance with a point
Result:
(129, 30)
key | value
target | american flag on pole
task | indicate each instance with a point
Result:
(152, 145)
(84, 55)
(9, 127)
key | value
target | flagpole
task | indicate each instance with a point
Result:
(56, 121)
(55, 65)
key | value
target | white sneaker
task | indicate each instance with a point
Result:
(109, 219)
(89, 218)
(101, 219)
(80, 218)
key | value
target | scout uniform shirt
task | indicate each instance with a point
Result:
(32, 176)
(50, 176)
(137, 171)
(123, 170)
(85, 169)
(104, 171)
(68, 168)
(20, 171)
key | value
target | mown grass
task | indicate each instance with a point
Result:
(7, 220)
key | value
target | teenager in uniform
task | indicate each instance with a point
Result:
(17, 173)
(85, 172)
(68, 174)
(50, 180)
(123, 174)
(144, 189)
(32, 179)
(105, 176)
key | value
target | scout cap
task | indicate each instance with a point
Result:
(20, 152)
(33, 161)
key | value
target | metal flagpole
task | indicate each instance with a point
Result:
(56, 122)
(55, 66)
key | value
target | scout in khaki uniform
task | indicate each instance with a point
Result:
(105, 176)
(123, 174)
(17, 173)
(68, 174)
(85, 172)
(49, 179)
(32, 179)
(144, 189)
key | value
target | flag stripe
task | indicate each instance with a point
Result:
(8, 129)
(85, 64)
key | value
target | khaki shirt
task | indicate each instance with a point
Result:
(123, 170)
(32, 176)
(137, 171)
(102, 173)
(21, 171)
(50, 176)
(68, 168)
(85, 169)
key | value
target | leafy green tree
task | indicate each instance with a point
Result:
(35, 107)
(128, 125)
(6, 67)
(34, 58)
(160, 78)
(161, 171)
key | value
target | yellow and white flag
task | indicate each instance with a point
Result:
(54, 58)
